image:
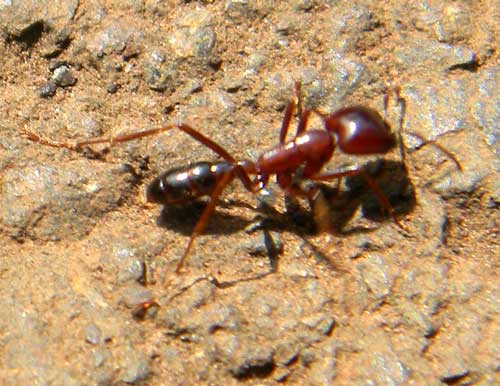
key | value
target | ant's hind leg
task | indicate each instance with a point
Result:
(193, 133)
(111, 141)
(76, 146)
(47, 142)
(205, 216)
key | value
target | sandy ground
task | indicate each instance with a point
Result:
(263, 298)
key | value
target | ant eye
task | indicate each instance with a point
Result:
(360, 131)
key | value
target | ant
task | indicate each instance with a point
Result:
(356, 130)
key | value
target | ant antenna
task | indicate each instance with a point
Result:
(396, 92)
(432, 142)
(424, 142)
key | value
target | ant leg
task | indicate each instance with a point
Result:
(212, 145)
(373, 186)
(242, 171)
(193, 133)
(303, 119)
(317, 202)
(288, 182)
(290, 109)
(402, 114)
(215, 147)
(36, 138)
(285, 124)
(302, 114)
(292, 105)
(202, 222)
(402, 102)
(396, 93)
(79, 145)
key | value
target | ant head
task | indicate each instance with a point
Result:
(360, 130)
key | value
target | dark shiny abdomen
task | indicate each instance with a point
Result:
(186, 183)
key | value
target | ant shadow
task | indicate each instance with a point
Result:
(390, 176)
(392, 179)
(182, 218)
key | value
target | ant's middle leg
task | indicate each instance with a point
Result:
(290, 183)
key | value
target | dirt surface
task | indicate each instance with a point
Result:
(263, 298)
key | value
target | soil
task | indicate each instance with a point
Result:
(272, 292)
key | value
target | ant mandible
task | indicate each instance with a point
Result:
(356, 130)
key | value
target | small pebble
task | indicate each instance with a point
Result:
(47, 90)
(93, 334)
(63, 77)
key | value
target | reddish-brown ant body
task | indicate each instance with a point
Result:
(356, 130)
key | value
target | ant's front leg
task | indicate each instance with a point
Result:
(371, 183)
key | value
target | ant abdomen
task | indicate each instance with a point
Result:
(360, 130)
(186, 183)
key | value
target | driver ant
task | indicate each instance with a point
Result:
(356, 130)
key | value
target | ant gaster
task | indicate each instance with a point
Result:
(356, 130)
